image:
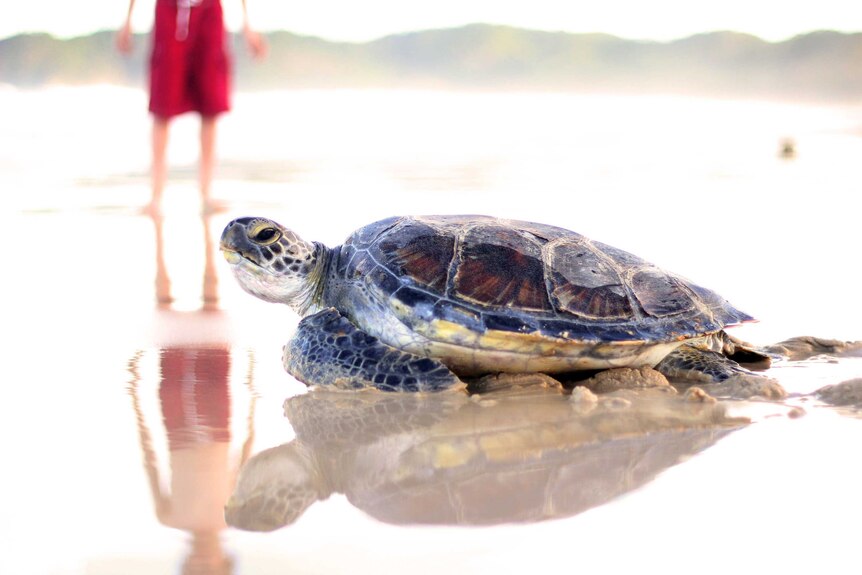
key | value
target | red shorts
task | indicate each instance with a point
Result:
(189, 66)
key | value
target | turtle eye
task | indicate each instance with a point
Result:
(266, 235)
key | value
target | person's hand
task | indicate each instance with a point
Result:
(255, 42)
(123, 39)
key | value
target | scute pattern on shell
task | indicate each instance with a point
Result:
(484, 273)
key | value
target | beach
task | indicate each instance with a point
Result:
(696, 186)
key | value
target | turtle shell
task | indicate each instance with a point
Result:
(484, 273)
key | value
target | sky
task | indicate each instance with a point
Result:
(362, 20)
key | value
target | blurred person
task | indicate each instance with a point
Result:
(189, 72)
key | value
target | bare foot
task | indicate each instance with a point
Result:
(211, 207)
(152, 209)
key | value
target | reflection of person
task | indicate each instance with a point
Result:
(189, 72)
(163, 282)
(195, 403)
(196, 398)
(196, 408)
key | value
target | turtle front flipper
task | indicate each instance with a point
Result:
(328, 350)
(717, 374)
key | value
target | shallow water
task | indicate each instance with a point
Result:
(125, 422)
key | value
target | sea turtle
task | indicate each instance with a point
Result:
(417, 303)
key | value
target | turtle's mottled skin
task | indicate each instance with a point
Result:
(412, 303)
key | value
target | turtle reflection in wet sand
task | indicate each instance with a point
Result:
(425, 303)
(451, 459)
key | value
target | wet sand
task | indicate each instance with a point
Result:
(125, 484)
(139, 379)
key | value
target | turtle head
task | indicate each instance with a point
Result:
(271, 262)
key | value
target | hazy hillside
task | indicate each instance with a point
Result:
(817, 66)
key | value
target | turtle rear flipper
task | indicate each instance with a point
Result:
(717, 374)
(328, 350)
(698, 365)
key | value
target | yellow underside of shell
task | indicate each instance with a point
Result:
(468, 352)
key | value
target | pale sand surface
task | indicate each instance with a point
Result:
(83, 336)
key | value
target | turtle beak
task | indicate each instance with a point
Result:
(231, 256)
(233, 240)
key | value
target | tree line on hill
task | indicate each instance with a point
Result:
(820, 66)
